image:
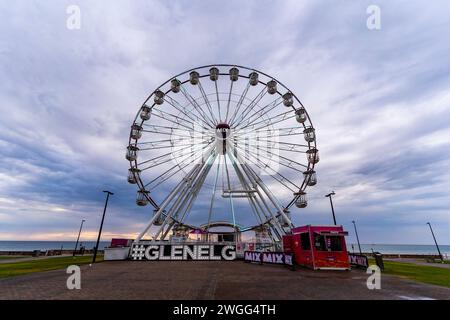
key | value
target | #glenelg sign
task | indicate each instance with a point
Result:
(154, 252)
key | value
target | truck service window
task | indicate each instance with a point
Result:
(304, 241)
(334, 243)
(319, 242)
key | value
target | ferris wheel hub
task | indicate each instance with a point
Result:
(223, 132)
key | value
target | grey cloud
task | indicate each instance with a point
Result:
(68, 98)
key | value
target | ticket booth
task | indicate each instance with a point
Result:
(318, 247)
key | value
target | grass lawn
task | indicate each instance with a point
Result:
(426, 274)
(20, 268)
(12, 257)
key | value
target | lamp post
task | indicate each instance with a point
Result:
(331, 202)
(101, 225)
(79, 232)
(357, 238)
(440, 254)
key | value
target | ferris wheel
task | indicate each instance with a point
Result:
(222, 142)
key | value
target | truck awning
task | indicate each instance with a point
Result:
(332, 233)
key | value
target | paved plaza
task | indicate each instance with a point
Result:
(211, 280)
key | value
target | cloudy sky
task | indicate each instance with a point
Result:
(379, 100)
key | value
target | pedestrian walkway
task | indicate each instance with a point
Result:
(234, 280)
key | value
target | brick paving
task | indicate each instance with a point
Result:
(210, 280)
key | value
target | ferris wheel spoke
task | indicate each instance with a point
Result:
(274, 120)
(289, 145)
(286, 162)
(240, 102)
(158, 142)
(178, 132)
(259, 114)
(177, 121)
(174, 103)
(282, 160)
(197, 107)
(273, 145)
(218, 100)
(156, 161)
(173, 118)
(229, 99)
(269, 135)
(275, 175)
(278, 177)
(284, 130)
(249, 107)
(208, 104)
(162, 143)
(166, 175)
(290, 149)
(171, 146)
(153, 128)
(169, 133)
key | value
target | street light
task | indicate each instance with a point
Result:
(101, 224)
(357, 238)
(440, 254)
(331, 202)
(79, 232)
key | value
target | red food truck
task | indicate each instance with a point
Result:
(318, 247)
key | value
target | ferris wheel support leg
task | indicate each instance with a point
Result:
(246, 186)
(170, 213)
(196, 186)
(274, 223)
(171, 210)
(167, 230)
(195, 193)
(184, 195)
(211, 206)
(243, 176)
(272, 198)
(164, 205)
(261, 184)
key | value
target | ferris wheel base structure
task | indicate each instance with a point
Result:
(315, 247)
(220, 129)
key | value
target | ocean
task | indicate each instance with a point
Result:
(68, 245)
(400, 248)
(48, 245)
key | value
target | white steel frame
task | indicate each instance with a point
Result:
(198, 116)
